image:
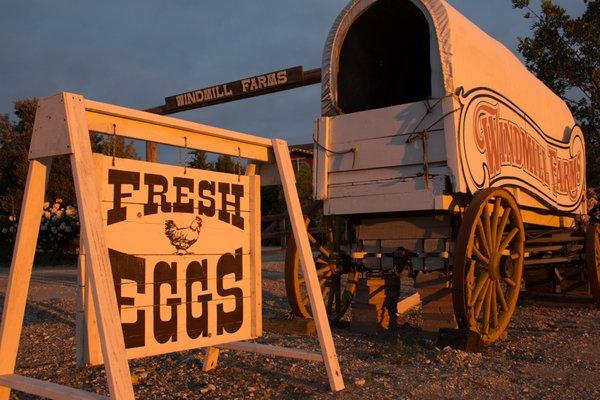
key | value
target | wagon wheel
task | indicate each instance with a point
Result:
(592, 259)
(488, 264)
(338, 283)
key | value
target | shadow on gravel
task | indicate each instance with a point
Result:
(42, 312)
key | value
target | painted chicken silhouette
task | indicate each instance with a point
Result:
(183, 238)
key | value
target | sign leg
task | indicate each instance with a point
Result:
(21, 266)
(100, 273)
(211, 358)
(286, 172)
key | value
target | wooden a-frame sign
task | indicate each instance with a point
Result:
(62, 126)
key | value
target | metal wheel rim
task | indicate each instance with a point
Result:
(488, 264)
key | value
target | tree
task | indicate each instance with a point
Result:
(14, 149)
(14, 145)
(200, 160)
(564, 52)
(226, 163)
(116, 146)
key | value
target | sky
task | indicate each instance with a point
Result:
(136, 52)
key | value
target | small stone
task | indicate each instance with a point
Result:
(134, 379)
(208, 389)
(360, 382)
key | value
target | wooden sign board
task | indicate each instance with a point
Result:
(179, 241)
(247, 87)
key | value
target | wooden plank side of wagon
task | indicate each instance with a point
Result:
(434, 187)
(387, 152)
(386, 173)
(385, 122)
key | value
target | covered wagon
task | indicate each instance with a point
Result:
(439, 153)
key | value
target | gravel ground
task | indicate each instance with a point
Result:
(550, 352)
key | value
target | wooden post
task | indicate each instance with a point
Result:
(103, 290)
(151, 151)
(211, 359)
(286, 172)
(80, 307)
(21, 267)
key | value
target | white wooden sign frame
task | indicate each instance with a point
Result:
(62, 127)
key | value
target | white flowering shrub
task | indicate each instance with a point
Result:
(59, 231)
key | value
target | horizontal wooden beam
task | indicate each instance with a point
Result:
(237, 90)
(407, 304)
(110, 119)
(273, 351)
(46, 389)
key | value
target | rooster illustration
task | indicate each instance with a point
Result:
(183, 238)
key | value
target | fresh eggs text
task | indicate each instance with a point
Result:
(204, 197)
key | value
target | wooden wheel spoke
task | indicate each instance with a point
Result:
(471, 275)
(508, 239)
(483, 241)
(481, 300)
(494, 305)
(338, 294)
(321, 273)
(485, 213)
(329, 299)
(502, 224)
(483, 259)
(481, 281)
(311, 238)
(495, 213)
(324, 251)
(324, 269)
(487, 308)
(501, 298)
(510, 282)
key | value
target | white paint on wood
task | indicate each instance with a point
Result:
(50, 135)
(391, 186)
(385, 173)
(385, 122)
(274, 351)
(255, 250)
(47, 389)
(386, 152)
(103, 291)
(307, 263)
(386, 197)
(211, 359)
(321, 156)
(108, 118)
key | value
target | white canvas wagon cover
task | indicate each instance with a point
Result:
(463, 64)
